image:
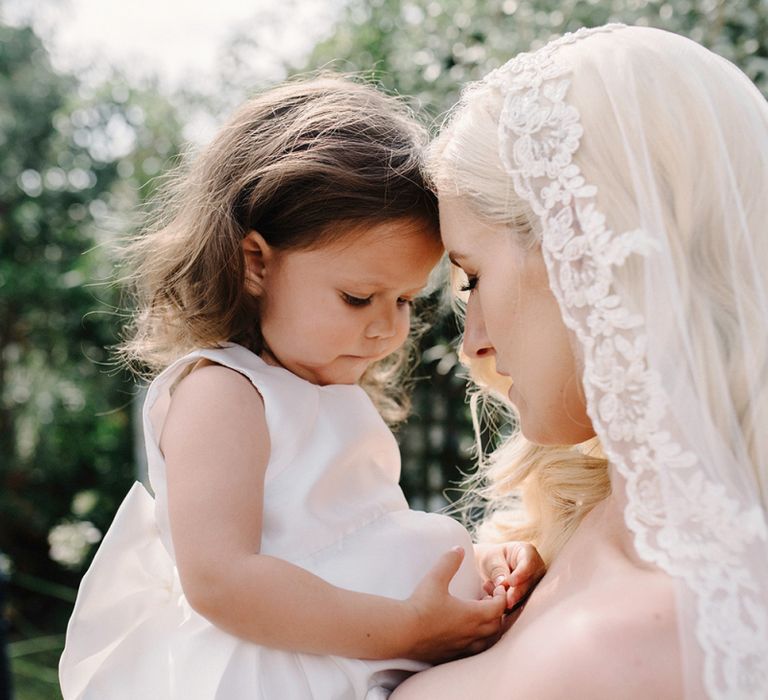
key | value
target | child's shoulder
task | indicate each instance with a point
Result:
(213, 409)
(232, 379)
(213, 370)
(210, 393)
(207, 379)
(233, 358)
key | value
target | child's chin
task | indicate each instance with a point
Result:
(355, 368)
(346, 375)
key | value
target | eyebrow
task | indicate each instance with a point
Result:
(379, 286)
(454, 256)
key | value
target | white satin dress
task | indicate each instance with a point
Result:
(332, 505)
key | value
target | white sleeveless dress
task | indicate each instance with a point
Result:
(332, 505)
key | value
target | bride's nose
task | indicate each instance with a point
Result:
(476, 342)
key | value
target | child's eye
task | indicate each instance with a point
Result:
(470, 284)
(402, 301)
(356, 301)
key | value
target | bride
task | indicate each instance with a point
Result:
(606, 198)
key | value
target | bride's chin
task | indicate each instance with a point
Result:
(534, 431)
(517, 400)
(527, 425)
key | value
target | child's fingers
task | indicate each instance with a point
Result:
(491, 608)
(481, 644)
(476, 647)
(487, 635)
(469, 648)
(490, 627)
(476, 614)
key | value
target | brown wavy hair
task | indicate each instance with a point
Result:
(304, 164)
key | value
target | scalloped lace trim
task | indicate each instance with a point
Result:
(704, 537)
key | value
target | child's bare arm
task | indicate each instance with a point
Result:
(216, 446)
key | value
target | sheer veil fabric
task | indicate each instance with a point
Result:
(644, 157)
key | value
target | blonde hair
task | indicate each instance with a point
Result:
(542, 493)
(524, 491)
(304, 164)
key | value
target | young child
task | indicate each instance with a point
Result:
(278, 558)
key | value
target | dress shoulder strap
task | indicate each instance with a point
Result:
(290, 404)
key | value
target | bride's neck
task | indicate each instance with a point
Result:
(602, 535)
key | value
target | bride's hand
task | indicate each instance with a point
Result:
(444, 627)
(513, 568)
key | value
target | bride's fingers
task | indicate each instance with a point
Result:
(526, 564)
(498, 568)
(514, 596)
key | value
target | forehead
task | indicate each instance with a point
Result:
(388, 253)
(462, 231)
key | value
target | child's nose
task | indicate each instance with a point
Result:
(384, 325)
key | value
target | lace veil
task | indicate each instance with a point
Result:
(644, 158)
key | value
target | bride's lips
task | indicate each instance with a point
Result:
(512, 383)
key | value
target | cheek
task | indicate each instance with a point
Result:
(504, 317)
(547, 348)
(553, 392)
(341, 328)
(403, 328)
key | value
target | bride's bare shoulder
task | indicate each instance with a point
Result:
(614, 639)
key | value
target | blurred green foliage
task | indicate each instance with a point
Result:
(78, 162)
(74, 163)
(428, 49)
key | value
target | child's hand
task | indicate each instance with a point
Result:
(445, 627)
(512, 568)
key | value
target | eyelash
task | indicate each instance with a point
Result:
(356, 301)
(470, 284)
(365, 301)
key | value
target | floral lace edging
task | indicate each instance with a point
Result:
(539, 133)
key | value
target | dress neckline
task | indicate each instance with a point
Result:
(282, 370)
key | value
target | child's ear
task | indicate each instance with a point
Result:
(257, 254)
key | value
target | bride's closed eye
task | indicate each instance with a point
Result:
(470, 284)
